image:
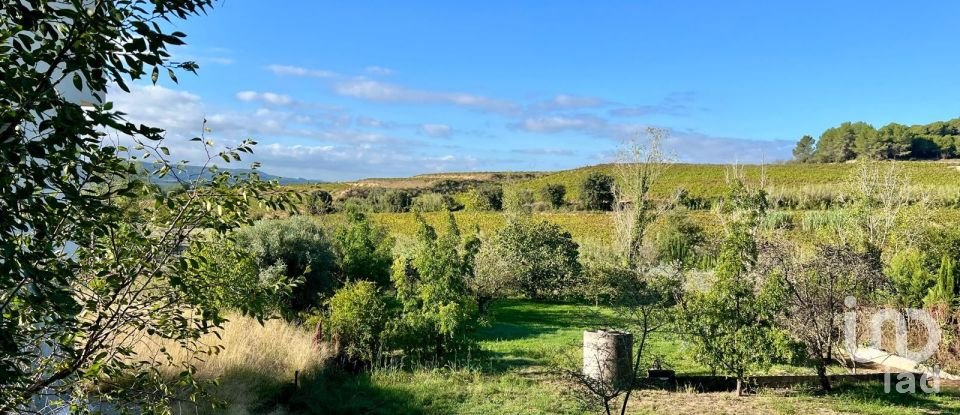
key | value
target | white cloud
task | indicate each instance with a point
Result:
(266, 97)
(371, 90)
(564, 101)
(436, 130)
(300, 71)
(378, 70)
(554, 124)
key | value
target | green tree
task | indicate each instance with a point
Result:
(90, 258)
(356, 321)
(300, 247)
(539, 258)
(803, 152)
(898, 138)
(320, 202)
(363, 250)
(731, 323)
(488, 197)
(554, 195)
(431, 286)
(911, 281)
(596, 192)
(944, 291)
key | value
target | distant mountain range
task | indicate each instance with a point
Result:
(192, 172)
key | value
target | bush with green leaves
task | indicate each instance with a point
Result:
(519, 200)
(357, 316)
(437, 309)
(435, 202)
(944, 291)
(363, 250)
(554, 195)
(909, 278)
(301, 248)
(320, 202)
(679, 240)
(392, 200)
(488, 197)
(596, 192)
(536, 258)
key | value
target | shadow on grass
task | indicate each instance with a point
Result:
(874, 394)
(334, 392)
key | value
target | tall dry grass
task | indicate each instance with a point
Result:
(254, 366)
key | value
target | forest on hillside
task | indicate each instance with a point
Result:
(850, 140)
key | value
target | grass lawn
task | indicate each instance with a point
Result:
(515, 371)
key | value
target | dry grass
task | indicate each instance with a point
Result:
(256, 361)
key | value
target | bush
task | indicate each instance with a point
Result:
(679, 240)
(435, 202)
(392, 201)
(554, 194)
(596, 192)
(363, 250)
(431, 286)
(299, 249)
(538, 258)
(320, 202)
(519, 200)
(910, 279)
(488, 197)
(357, 316)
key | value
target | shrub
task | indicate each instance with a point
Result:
(431, 287)
(392, 201)
(357, 316)
(596, 192)
(538, 258)
(909, 278)
(678, 241)
(298, 247)
(435, 202)
(320, 202)
(363, 250)
(488, 197)
(519, 200)
(554, 194)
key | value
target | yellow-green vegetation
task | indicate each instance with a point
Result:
(515, 367)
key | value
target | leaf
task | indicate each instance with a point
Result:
(155, 75)
(77, 82)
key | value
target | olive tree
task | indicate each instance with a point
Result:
(91, 258)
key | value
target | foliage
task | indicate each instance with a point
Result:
(363, 250)
(392, 200)
(300, 248)
(893, 141)
(357, 317)
(812, 295)
(679, 241)
(435, 202)
(91, 259)
(536, 258)
(596, 192)
(519, 200)
(431, 285)
(944, 291)
(554, 195)
(909, 278)
(320, 202)
(803, 152)
(488, 197)
(731, 323)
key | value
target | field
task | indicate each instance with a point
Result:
(516, 369)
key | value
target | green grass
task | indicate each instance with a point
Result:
(515, 371)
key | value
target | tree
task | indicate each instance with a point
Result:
(898, 138)
(363, 250)
(910, 280)
(537, 257)
(803, 152)
(554, 195)
(90, 248)
(357, 317)
(431, 283)
(731, 323)
(320, 202)
(812, 294)
(488, 197)
(944, 291)
(300, 247)
(596, 192)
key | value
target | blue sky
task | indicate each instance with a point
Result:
(372, 89)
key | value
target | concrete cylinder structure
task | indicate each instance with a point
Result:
(607, 357)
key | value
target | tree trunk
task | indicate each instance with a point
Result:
(822, 374)
(739, 386)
